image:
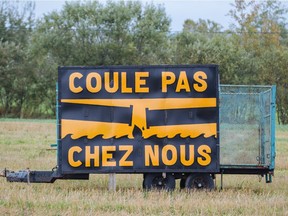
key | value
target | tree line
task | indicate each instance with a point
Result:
(253, 51)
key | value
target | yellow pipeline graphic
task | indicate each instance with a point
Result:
(91, 129)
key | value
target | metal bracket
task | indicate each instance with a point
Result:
(268, 178)
(221, 182)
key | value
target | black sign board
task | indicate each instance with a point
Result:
(126, 119)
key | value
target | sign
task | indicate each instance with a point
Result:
(138, 119)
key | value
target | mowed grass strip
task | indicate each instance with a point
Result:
(24, 144)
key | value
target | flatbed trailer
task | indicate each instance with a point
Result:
(168, 122)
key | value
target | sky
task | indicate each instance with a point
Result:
(178, 11)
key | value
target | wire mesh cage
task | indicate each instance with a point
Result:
(246, 116)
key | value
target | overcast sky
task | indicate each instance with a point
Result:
(179, 11)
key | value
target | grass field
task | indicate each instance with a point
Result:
(24, 144)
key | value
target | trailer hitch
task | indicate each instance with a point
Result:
(3, 173)
(29, 176)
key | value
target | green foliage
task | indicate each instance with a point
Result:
(16, 21)
(202, 26)
(91, 33)
(253, 51)
(262, 34)
(95, 34)
(16, 72)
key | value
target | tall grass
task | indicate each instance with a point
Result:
(24, 144)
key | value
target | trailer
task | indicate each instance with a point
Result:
(166, 122)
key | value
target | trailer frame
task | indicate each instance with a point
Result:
(265, 169)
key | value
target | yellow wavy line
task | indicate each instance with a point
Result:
(91, 129)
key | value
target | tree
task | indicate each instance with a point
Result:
(202, 26)
(15, 27)
(91, 33)
(16, 21)
(116, 33)
(260, 30)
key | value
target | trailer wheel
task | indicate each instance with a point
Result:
(157, 181)
(199, 181)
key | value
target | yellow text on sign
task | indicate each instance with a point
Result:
(169, 155)
(183, 83)
(153, 155)
(111, 84)
(118, 82)
(95, 158)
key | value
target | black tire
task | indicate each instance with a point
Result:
(199, 181)
(156, 181)
(182, 183)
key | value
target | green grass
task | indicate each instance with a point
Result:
(24, 144)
